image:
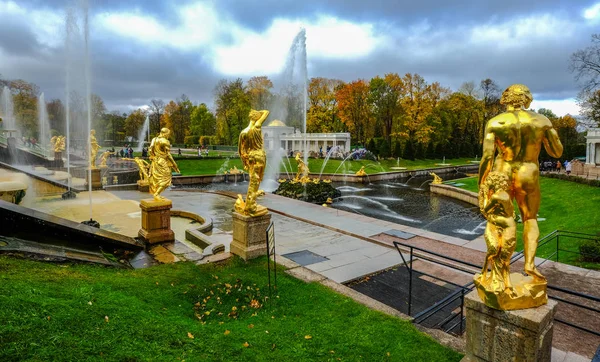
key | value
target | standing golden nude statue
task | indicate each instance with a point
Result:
(94, 147)
(162, 161)
(302, 174)
(58, 143)
(517, 136)
(254, 158)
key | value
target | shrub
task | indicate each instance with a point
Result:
(590, 250)
(190, 140)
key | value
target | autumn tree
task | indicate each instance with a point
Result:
(355, 110)
(585, 63)
(134, 122)
(490, 94)
(590, 107)
(233, 107)
(259, 92)
(115, 126)
(418, 100)
(322, 115)
(203, 122)
(25, 98)
(56, 115)
(166, 120)
(384, 96)
(157, 107)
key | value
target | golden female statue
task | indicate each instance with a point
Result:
(94, 147)
(58, 143)
(254, 158)
(162, 162)
(517, 135)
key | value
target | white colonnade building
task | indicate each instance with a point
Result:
(278, 135)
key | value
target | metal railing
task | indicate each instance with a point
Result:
(456, 319)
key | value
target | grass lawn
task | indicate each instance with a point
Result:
(196, 313)
(210, 166)
(566, 206)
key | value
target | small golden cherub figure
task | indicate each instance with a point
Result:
(361, 172)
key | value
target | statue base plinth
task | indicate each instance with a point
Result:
(58, 161)
(249, 235)
(96, 179)
(156, 221)
(525, 293)
(143, 186)
(499, 335)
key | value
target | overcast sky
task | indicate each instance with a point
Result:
(144, 49)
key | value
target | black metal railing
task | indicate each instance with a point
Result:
(456, 319)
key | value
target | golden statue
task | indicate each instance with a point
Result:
(303, 171)
(104, 157)
(159, 177)
(518, 136)
(235, 171)
(94, 147)
(58, 143)
(436, 179)
(361, 172)
(254, 158)
(143, 167)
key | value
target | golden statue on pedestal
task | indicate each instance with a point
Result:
(361, 172)
(254, 158)
(143, 168)
(518, 136)
(94, 147)
(58, 143)
(159, 177)
(436, 179)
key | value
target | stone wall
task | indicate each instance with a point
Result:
(456, 193)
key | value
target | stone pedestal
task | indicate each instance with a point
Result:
(58, 161)
(516, 335)
(96, 179)
(156, 221)
(249, 235)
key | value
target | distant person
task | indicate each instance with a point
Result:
(144, 152)
(179, 152)
(199, 151)
(568, 167)
(558, 166)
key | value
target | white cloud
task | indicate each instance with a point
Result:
(265, 53)
(559, 107)
(522, 31)
(199, 25)
(593, 12)
(47, 24)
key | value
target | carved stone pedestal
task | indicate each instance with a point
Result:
(516, 335)
(156, 221)
(249, 235)
(96, 179)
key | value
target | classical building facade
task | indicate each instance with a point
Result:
(278, 135)
(591, 168)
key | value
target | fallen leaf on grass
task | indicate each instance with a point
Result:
(227, 332)
(251, 326)
(106, 318)
(308, 336)
(246, 344)
(191, 336)
(48, 317)
(90, 302)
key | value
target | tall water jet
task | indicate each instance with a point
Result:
(143, 134)
(7, 111)
(88, 93)
(43, 124)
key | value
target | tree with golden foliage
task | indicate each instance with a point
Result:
(259, 92)
(322, 115)
(355, 110)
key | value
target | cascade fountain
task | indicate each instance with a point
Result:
(43, 124)
(144, 132)
(6, 108)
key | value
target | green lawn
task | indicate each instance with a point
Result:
(210, 166)
(566, 206)
(182, 311)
